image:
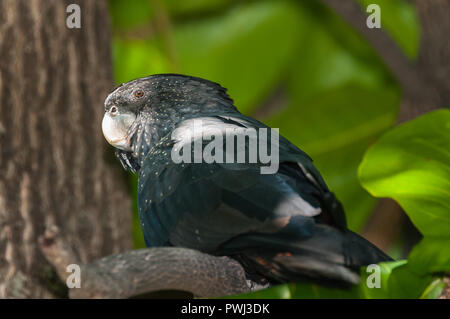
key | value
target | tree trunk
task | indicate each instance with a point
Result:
(55, 167)
(434, 53)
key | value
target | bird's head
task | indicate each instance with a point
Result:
(140, 112)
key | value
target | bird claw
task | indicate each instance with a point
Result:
(127, 160)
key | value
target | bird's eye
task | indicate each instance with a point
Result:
(138, 93)
(113, 110)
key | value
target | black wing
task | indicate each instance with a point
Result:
(233, 209)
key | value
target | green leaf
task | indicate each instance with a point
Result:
(431, 255)
(382, 292)
(434, 289)
(404, 283)
(411, 164)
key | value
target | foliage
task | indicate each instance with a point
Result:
(411, 164)
(415, 152)
(396, 282)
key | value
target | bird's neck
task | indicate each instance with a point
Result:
(151, 128)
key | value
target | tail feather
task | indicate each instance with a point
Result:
(330, 254)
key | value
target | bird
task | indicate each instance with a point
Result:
(282, 225)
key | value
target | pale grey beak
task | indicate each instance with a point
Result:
(115, 129)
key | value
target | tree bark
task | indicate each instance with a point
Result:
(55, 166)
(140, 272)
(434, 53)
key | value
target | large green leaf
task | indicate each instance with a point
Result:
(411, 164)
(431, 255)
(404, 283)
(386, 269)
(398, 281)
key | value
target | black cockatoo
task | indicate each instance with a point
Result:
(282, 226)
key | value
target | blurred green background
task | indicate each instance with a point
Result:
(295, 65)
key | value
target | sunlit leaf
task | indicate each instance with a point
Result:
(406, 284)
(431, 255)
(381, 292)
(411, 164)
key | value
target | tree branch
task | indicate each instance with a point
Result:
(147, 270)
